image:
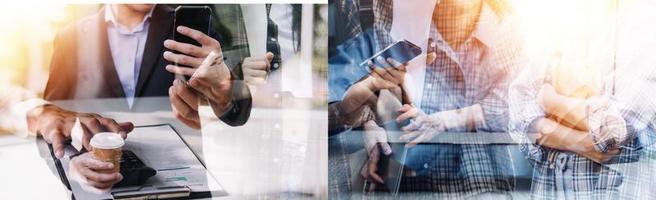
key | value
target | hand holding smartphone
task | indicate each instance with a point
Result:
(194, 17)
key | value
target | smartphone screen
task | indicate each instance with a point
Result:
(390, 168)
(195, 17)
(401, 51)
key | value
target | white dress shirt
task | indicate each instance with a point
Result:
(127, 47)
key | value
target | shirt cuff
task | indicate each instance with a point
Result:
(607, 127)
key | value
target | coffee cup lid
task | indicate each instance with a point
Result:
(107, 140)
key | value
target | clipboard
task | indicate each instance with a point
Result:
(180, 175)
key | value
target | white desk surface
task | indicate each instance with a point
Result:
(278, 152)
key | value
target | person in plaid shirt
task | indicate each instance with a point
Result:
(575, 138)
(474, 52)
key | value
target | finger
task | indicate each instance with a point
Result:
(374, 176)
(406, 115)
(193, 123)
(396, 64)
(405, 108)
(101, 180)
(259, 63)
(416, 141)
(374, 74)
(96, 165)
(382, 61)
(200, 37)
(186, 94)
(381, 80)
(257, 73)
(396, 74)
(423, 137)
(188, 49)
(387, 149)
(181, 59)
(91, 170)
(613, 152)
(412, 126)
(184, 110)
(256, 64)
(110, 125)
(57, 140)
(408, 136)
(96, 115)
(101, 187)
(126, 128)
(187, 71)
(373, 167)
(255, 81)
(383, 73)
(92, 124)
(370, 66)
(365, 170)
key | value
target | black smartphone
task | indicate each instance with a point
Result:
(401, 51)
(391, 167)
(195, 17)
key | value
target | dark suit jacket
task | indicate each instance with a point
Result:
(82, 65)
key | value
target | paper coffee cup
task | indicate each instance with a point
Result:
(107, 147)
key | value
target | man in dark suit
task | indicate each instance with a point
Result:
(120, 52)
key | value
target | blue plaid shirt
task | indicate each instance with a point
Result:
(478, 72)
(561, 174)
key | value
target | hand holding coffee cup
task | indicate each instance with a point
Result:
(108, 147)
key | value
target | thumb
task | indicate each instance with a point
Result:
(381, 138)
(412, 126)
(126, 127)
(405, 108)
(387, 150)
(269, 56)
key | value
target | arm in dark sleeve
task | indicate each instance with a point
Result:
(241, 99)
(240, 110)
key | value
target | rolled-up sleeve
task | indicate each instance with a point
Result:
(524, 109)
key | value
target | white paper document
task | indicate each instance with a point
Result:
(162, 149)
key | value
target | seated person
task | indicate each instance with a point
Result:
(122, 51)
(576, 134)
(472, 56)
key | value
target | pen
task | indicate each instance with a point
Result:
(173, 168)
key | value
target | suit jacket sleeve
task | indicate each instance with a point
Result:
(240, 111)
(62, 73)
